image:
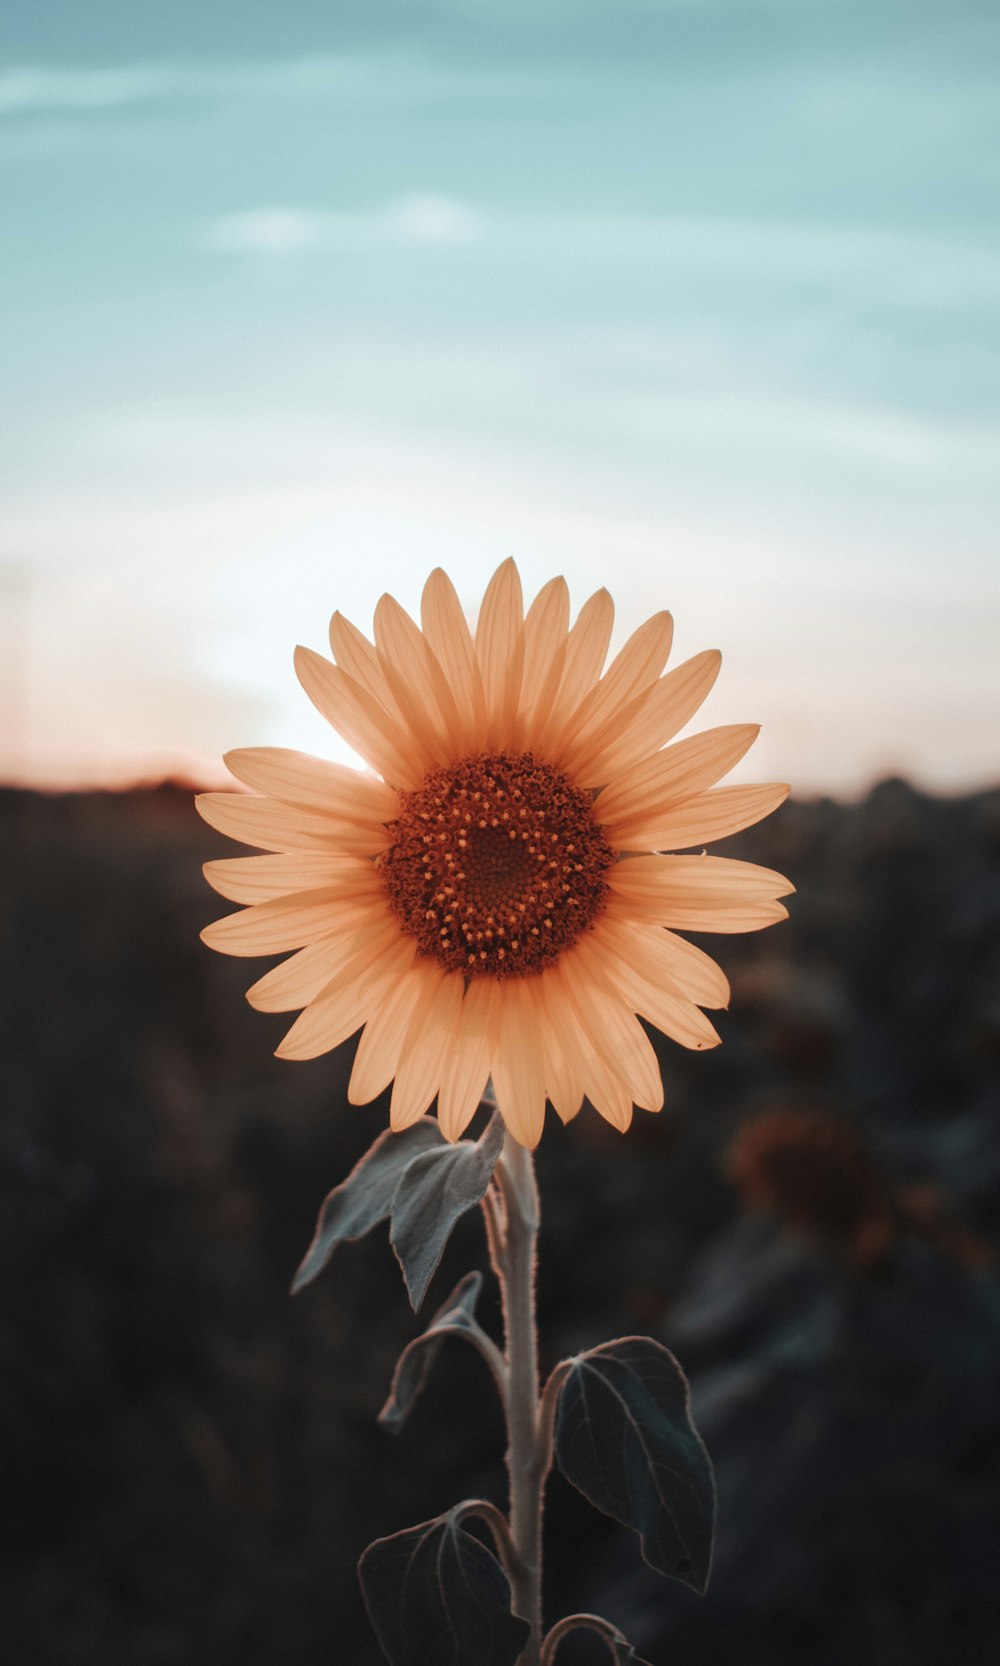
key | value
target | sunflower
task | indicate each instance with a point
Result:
(493, 901)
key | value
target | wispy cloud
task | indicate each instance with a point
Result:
(420, 217)
(844, 262)
(29, 90)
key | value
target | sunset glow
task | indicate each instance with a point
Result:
(711, 312)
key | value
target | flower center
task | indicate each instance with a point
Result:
(496, 865)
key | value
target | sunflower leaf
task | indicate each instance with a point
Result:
(434, 1191)
(455, 1317)
(366, 1196)
(622, 1652)
(624, 1437)
(436, 1596)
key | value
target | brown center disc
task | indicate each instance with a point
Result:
(497, 865)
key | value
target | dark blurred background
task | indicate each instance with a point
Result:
(191, 1463)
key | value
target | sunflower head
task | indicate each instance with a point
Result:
(500, 894)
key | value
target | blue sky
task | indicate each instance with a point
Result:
(698, 298)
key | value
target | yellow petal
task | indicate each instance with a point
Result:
(270, 825)
(500, 651)
(640, 728)
(671, 775)
(518, 1065)
(253, 879)
(400, 758)
(315, 783)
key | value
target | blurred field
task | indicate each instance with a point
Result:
(190, 1458)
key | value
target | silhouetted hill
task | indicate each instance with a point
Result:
(190, 1459)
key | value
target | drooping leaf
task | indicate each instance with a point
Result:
(436, 1596)
(620, 1649)
(437, 1188)
(365, 1197)
(455, 1317)
(624, 1437)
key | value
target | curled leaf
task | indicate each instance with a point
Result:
(365, 1197)
(455, 1317)
(619, 1647)
(434, 1191)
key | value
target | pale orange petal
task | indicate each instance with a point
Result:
(270, 825)
(419, 1075)
(518, 1064)
(721, 914)
(417, 681)
(603, 1084)
(400, 759)
(616, 1034)
(675, 961)
(500, 651)
(679, 1019)
(633, 670)
(673, 774)
(315, 783)
(346, 1001)
(587, 648)
(643, 725)
(650, 980)
(253, 879)
(381, 1044)
(468, 1052)
(287, 923)
(356, 655)
(546, 630)
(447, 632)
(298, 980)
(695, 879)
(563, 1081)
(706, 817)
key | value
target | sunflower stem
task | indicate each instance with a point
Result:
(528, 1457)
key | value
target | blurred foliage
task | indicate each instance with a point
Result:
(191, 1459)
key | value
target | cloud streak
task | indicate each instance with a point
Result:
(32, 90)
(419, 217)
(848, 260)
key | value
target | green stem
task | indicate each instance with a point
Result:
(527, 1461)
